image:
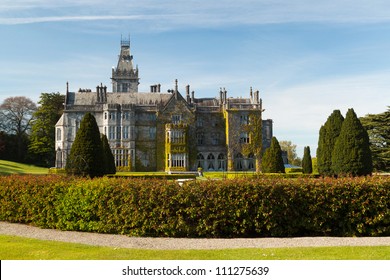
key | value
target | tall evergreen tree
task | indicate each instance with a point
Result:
(272, 159)
(329, 133)
(109, 161)
(86, 155)
(351, 154)
(307, 165)
(42, 138)
(378, 129)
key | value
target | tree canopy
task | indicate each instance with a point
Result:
(42, 139)
(272, 160)
(378, 129)
(328, 135)
(108, 157)
(16, 115)
(307, 165)
(86, 155)
(291, 150)
(351, 154)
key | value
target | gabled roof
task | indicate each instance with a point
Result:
(176, 97)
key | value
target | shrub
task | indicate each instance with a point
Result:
(108, 157)
(329, 133)
(272, 160)
(351, 154)
(264, 207)
(86, 154)
(307, 165)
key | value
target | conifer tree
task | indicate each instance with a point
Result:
(326, 141)
(86, 154)
(272, 160)
(109, 161)
(351, 154)
(307, 165)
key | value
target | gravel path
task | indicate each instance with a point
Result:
(121, 241)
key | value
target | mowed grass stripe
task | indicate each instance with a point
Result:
(19, 248)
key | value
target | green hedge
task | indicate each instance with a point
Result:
(213, 208)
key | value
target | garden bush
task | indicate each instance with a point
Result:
(258, 207)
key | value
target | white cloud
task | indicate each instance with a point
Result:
(27, 20)
(195, 12)
(299, 111)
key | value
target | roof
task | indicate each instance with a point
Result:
(139, 98)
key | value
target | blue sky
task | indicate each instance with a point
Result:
(306, 58)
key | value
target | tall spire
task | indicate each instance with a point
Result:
(125, 76)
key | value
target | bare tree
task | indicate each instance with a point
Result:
(16, 115)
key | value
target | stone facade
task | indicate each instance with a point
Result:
(153, 131)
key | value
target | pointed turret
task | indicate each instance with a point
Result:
(124, 76)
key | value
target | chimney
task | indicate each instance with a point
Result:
(159, 88)
(193, 96)
(98, 93)
(104, 97)
(188, 93)
(176, 89)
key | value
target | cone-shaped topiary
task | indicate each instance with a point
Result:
(86, 155)
(307, 165)
(351, 154)
(272, 160)
(109, 161)
(326, 141)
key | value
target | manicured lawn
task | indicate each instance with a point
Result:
(16, 248)
(10, 167)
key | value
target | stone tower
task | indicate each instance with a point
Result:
(124, 76)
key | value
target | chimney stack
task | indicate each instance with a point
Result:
(188, 93)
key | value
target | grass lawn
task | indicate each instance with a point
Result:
(10, 167)
(17, 248)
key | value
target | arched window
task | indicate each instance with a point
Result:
(238, 162)
(200, 161)
(210, 162)
(251, 161)
(221, 162)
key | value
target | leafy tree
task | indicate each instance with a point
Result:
(272, 159)
(8, 146)
(378, 129)
(351, 154)
(86, 155)
(291, 150)
(108, 157)
(42, 145)
(16, 114)
(329, 133)
(307, 165)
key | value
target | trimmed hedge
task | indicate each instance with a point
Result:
(262, 207)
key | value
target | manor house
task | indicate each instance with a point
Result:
(166, 131)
